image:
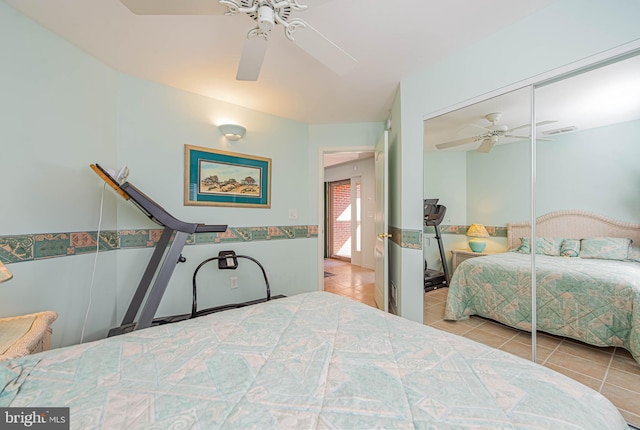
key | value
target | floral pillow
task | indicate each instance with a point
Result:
(544, 245)
(525, 247)
(634, 254)
(548, 245)
(570, 248)
(605, 248)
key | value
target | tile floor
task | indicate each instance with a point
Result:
(610, 371)
(350, 281)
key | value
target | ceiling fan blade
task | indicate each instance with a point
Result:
(527, 137)
(324, 50)
(486, 145)
(538, 124)
(458, 142)
(175, 7)
(252, 58)
(480, 127)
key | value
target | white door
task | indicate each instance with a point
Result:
(381, 222)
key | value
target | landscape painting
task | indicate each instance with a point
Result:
(221, 178)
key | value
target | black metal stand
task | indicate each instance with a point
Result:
(222, 256)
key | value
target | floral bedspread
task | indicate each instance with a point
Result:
(591, 300)
(310, 361)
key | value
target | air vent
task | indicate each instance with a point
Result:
(560, 130)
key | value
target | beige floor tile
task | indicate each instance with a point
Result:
(623, 399)
(626, 363)
(593, 383)
(602, 356)
(486, 337)
(577, 364)
(630, 418)
(454, 327)
(524, 351)
(620, 378)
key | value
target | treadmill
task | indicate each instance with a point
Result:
(165, 257)
(433, 216)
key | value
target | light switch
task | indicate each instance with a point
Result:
(293, 213)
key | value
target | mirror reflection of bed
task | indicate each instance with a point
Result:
(590, 168)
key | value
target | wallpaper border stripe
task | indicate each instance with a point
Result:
(30, 247)
(413, 238)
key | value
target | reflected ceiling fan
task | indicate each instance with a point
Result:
(267, 14)
(492, 134)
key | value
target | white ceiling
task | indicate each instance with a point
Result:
(200, 54)
(596, 98)
(335, 158)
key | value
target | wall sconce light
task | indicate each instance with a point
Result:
(5, 275)
(232, 131)
(476, 233)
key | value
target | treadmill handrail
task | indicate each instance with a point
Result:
(152, 209)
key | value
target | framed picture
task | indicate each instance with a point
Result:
(220, 178)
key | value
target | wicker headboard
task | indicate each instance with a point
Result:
(572, 224)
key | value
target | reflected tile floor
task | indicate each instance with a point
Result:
(611, 371)
(350, 281)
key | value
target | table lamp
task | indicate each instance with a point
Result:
(476, 233)
(5, 275)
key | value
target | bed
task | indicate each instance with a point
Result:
(309, 361)
(585, 297)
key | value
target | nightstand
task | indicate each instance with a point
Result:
(459, 255)
(25, 334)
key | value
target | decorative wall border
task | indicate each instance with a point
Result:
(412, 239)
(18, 248)
(29, 247)
(462, 229)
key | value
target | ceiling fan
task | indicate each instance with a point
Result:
(267, 14)
(492, 134)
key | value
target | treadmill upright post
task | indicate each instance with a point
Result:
(147, 277)
(162, 280)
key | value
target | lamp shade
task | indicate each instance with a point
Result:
(5, 275)
(476, 232)
(232, 131)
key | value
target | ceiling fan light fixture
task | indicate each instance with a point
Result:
(232, 132)
(266, 17)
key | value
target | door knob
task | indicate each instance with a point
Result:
(383, 235)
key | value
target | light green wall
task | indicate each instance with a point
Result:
(57, 114)
(558, 35)
(595, 170)
(154, 124)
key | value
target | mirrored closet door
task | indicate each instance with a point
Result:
(477, 163)
(587, 206)
(572, 181)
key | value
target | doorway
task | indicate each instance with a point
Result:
(347, 236)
